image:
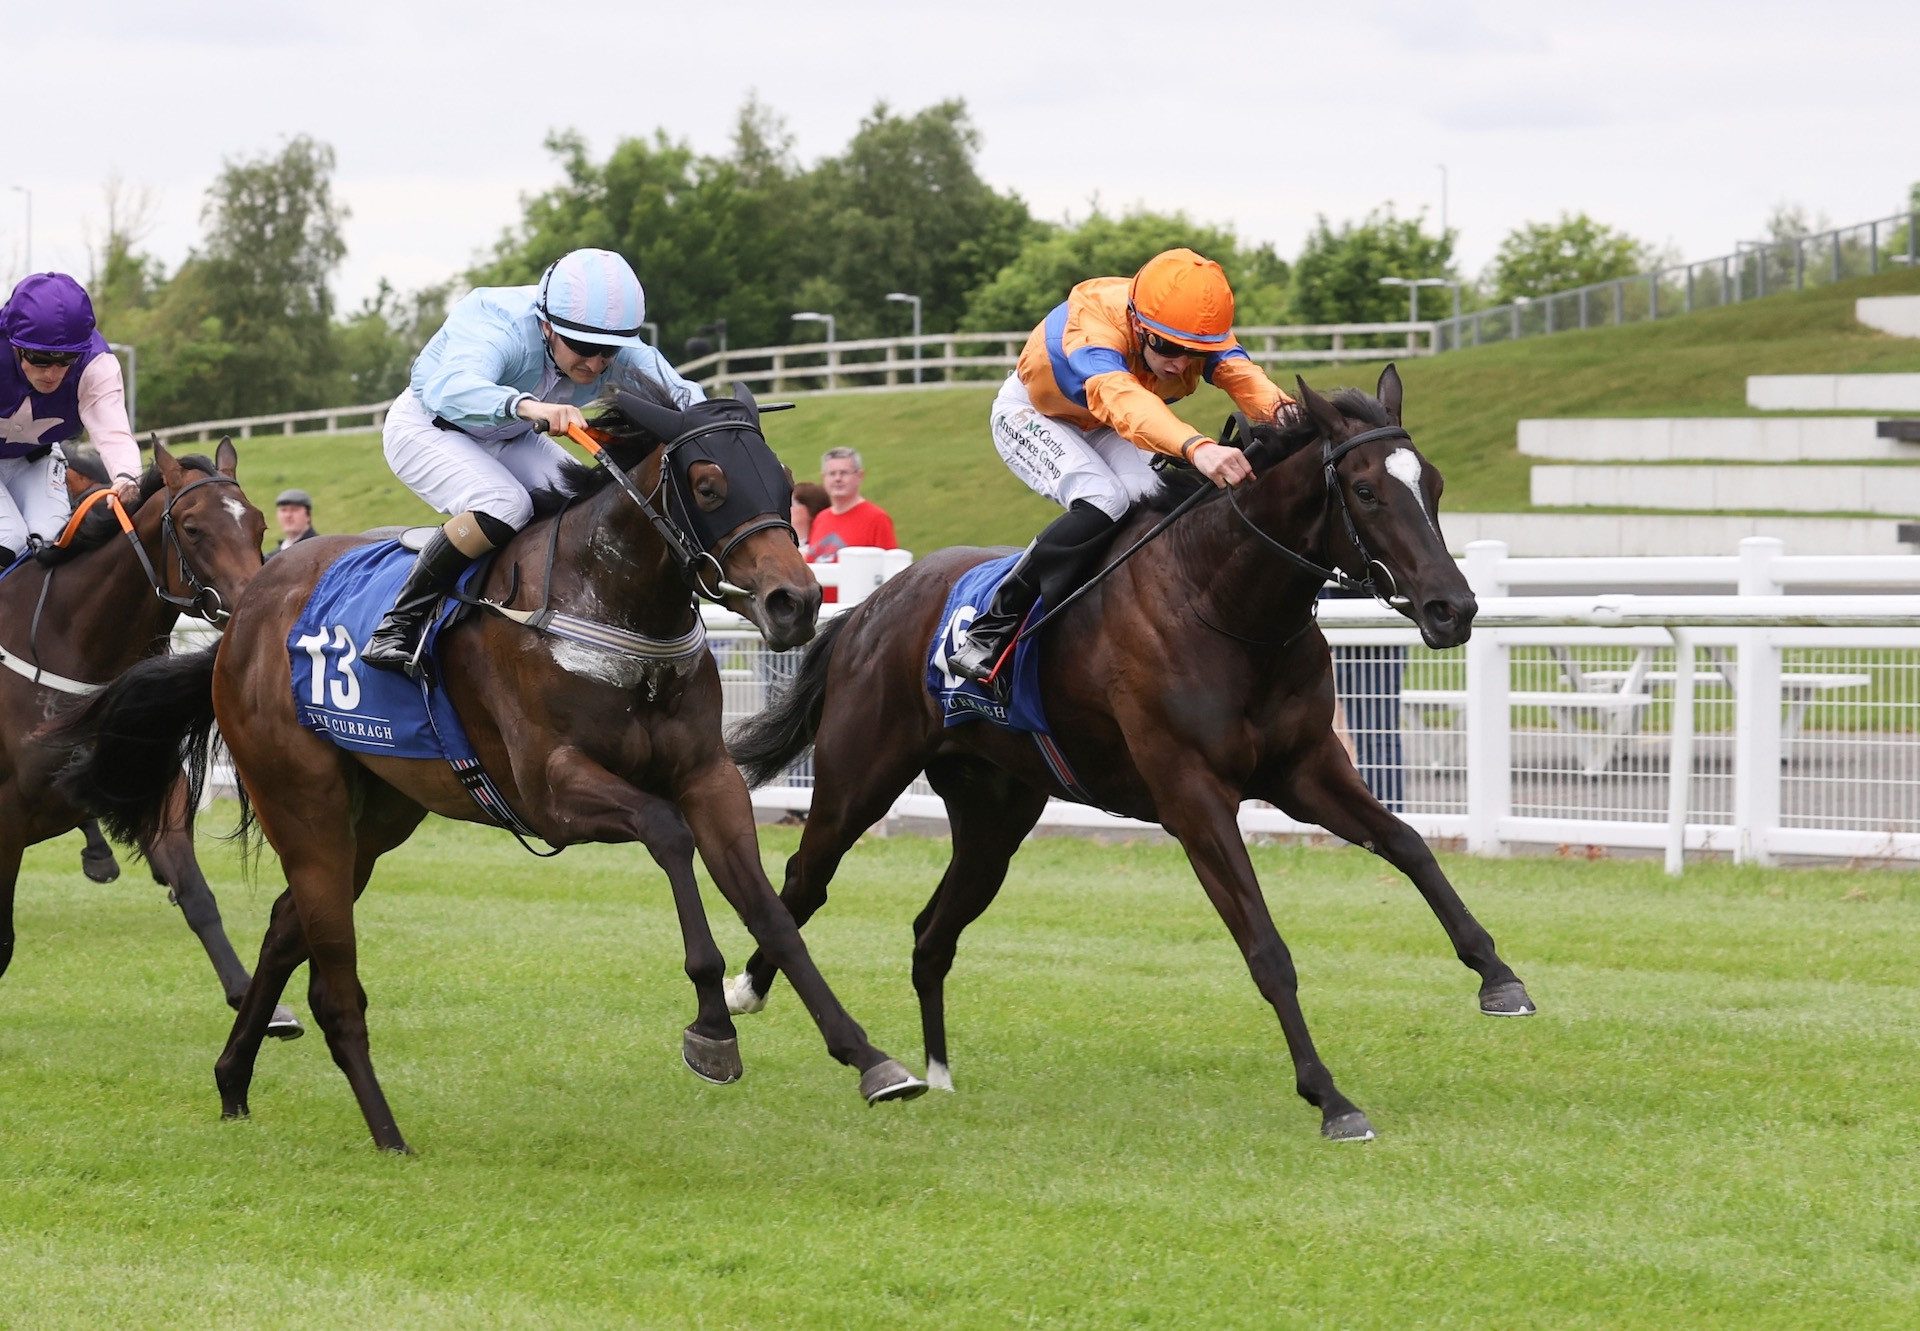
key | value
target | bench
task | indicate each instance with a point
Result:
(1799, 690)
(1617, 714)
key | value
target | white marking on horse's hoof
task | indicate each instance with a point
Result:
(938, 1077)
(741, 998)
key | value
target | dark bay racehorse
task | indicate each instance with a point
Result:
(84, 614)
(1192, 678)
(586, 743)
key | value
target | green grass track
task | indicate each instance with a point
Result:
(1713, 1122)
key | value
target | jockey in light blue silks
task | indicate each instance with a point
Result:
(462, 438)
(58, 379)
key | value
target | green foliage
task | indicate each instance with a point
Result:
(1336, 279)
(1055, 258)
(1543, 257)
(752, 238)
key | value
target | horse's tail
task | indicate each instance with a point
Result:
(766, 743)
(127, 744)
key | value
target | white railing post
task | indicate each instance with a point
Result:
(1756, 713)
(862, 569)
(1489, 717)
(1680, 752)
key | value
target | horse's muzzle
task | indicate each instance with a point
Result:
(1447, 621)
(788, 616)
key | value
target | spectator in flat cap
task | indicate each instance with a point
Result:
(294, 508)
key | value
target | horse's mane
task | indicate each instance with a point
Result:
(1283, 441)
(629, 444)
(100, 526)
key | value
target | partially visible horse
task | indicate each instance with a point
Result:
(609, 731)
(1190, 679)
(75, 617)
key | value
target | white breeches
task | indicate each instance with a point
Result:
(1064, 462)
(457, 473)
(33, 499)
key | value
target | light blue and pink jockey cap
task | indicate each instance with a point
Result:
(593, 296)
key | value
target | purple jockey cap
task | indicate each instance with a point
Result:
(48, 312)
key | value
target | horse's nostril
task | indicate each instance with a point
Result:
(1440, 612)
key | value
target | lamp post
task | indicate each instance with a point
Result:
(833, 355)
(1443, 206)
(653, 332)
(902, 296)
(1413, 285)
(28, 195)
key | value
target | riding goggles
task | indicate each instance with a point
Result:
(589, 350)
(46, 359)
(1159, 344)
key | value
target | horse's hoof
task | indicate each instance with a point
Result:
(1351, 1126)
(101, 867)
(717, 1061)
(939, 1075)
(284, 1025)
(887, 1080)
(1508, 999)
(235, 1111)
(742, 997)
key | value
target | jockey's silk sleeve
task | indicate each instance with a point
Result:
(103, 411)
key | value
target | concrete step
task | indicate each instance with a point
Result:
(1893, 490)
(1608, 534)
(1899, 315)
(1733, 439)
(1833, 392)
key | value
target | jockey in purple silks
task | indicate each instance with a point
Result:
(58, 379)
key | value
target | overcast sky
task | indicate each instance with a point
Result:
(1684, 123)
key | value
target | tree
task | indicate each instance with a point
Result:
(1336, 279)
(1055, 258)
(1543, 257)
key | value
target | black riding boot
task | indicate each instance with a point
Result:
(433, 574)
(1058, 561)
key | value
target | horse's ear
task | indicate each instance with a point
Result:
(1324, 413)
(741, 393)
(1389, 392)
(663, 423)
(226, 461)
(170, 470)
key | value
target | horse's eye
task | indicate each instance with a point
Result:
(1363, 492)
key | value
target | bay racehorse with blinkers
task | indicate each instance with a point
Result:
(589, 728)
(1191, 678)
(77, 615)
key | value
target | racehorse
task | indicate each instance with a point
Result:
(1191, 678)
(78, 615)
(587, 735)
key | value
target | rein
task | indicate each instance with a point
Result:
(1238, 426)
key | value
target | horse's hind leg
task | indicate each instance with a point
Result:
(177, 868)
(12, 846)
(96, 857)
(856, 780)
(1324, 788)
(990, 814)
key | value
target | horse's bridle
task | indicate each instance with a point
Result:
(696, 565)
(205, 602)
(1330, 454)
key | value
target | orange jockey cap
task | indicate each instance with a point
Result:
(1186, 299)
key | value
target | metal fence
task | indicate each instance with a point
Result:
(1753, 271)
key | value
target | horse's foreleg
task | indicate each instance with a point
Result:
(281, 951)
(596, 805)
(1324, 788)
(1200, 810)
(96, 857)
(11, 849)
(990, 814)
(719, 813)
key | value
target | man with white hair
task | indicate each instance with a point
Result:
(848, 519)
(509, 367)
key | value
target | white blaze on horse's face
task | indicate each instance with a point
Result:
(1403, 464)
(235, 507)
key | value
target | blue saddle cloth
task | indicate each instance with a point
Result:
(962, 700)
(355, 705)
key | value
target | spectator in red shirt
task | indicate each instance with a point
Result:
(848, 519)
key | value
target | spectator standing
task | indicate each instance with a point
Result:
(848, 519)
(294, 510)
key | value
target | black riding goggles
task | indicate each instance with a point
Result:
(1160, 345)
(47, 359)
(588, 350)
